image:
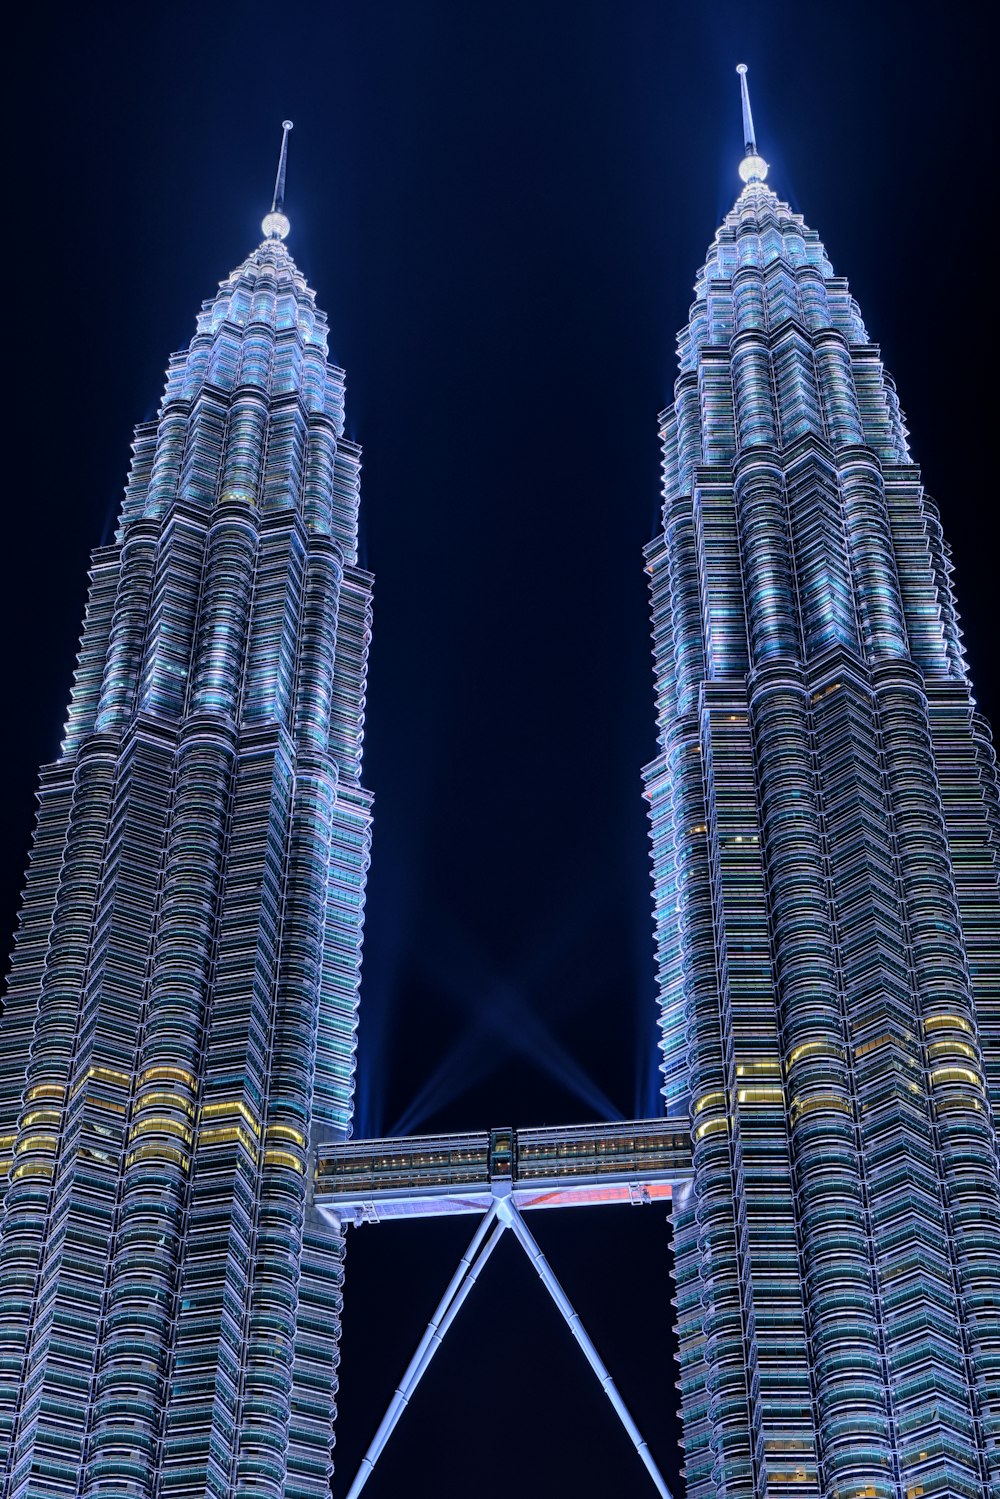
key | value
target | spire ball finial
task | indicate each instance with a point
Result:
(753, 167)
(275, 225)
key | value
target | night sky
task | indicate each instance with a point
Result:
(502, 209)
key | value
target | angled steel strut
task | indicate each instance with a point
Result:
(501, 1215)
(448, 1308)
(509, 1214)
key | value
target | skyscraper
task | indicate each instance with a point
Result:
(180, 1022)
(825, 843)
(179, 1030)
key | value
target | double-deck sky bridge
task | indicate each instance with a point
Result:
(500, 1174)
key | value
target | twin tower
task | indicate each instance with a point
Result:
(179, 1029)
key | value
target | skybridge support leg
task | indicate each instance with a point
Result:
(509, 1215)
(449, 1306)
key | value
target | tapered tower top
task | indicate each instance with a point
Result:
(274, 224)
(753, 167)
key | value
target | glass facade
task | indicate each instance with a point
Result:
(180, 1024)
(180, 1021)
(825, 832)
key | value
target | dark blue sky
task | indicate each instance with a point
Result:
(502, 209)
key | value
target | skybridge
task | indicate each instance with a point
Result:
(501, 1174)
(374, 1181)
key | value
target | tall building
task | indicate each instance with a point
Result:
(826, 835)
(180, 1020)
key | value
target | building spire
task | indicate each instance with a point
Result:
(753, 167)
(275, 225)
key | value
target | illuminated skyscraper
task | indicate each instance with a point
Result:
(180, 1021)
(825, 844)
